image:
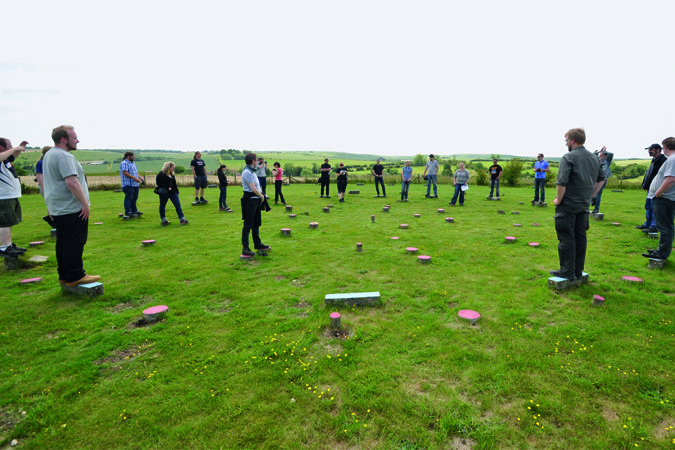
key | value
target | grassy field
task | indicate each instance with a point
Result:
(246, 358)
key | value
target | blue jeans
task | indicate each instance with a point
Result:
(430, 179)
(664, 212)
(263, 185)
(595, 201)
(163, 199)
(222, 200)
(540, 184)
(404, 189)
(458, 193)
(130, 197)
(649, 214)
(494, 184)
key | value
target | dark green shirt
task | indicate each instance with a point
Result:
(579, 171)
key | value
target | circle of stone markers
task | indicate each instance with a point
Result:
(411, 250)
(469, 315)
(510, 239)
(285, 231)
(155, 313)
(533, 244)
(32, 280)
(598, 301)
(424, 259)
(148, 242)
(632, 279)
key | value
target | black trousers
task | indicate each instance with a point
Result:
(378, 181)
(571, 228)
(71, 235)
(250, 212)
(277, 191)
(325, 182)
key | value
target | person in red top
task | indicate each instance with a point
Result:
(278, 172)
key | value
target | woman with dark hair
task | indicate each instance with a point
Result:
(222, 184)
(168, 190)
(277, 172)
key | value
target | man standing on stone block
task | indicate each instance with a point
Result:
(580, 177)
(325, 178)
(432, 169)
(658, 159)
(662, 190)
(252, 203)
(495, 172)
(198, 167)
(10, 191)
(378, 173)
(540, 170)
(130, 184)
(67, 198)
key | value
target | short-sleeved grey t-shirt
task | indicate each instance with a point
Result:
(58, 165)
(666, 170)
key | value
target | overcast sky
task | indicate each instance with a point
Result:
(382, 77)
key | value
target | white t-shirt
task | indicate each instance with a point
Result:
(10, 186)
(666, 170)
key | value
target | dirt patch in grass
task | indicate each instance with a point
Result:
(664, 429)
(453, 304)
(140, 323)
(219, 311)
(8, 418)
(121, 307)
(609, 414)
(462, 444)
(114, 361)
(279, 278)
(341, 333)
(301, 305)
(54, 334)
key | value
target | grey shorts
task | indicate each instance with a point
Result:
(201, 182)
(10, 212)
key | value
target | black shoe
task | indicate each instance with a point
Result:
(641, 227)
(653, 255)
(385, 196)
(203, 200)
(649, 230)
(137, 213)
(262, 247)
(9, 251)
(262, 253)
(560, 274)
(427, 196)
(18, 249)
(247, 252)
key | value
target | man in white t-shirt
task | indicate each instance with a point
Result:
(431, 172)
(10, 191)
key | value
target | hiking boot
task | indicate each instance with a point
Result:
(18, 249)
(164, 222)
(184, 221)
(247, 252)
(84, 280)
(262, 247)
(262, 253)
(561, 274)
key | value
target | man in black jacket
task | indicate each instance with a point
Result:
(658, 159)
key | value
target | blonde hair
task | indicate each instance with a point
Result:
(166, 168)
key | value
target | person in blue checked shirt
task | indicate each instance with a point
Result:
(540, 170)
(130, 184)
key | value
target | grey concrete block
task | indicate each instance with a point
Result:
(353, 299)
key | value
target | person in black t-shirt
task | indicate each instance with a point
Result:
(495, 172)
(198, 167)
(378, 170)
(325, 178)
(341, 182)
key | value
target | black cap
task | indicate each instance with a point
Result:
(654, 147)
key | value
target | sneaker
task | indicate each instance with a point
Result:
(137, 213)
(262, 253)
(247, 252)
(561, 274)
(652, 255)
(649, 230)
(427, 196)
(9, 251)
(203, 200)
(164, 222)
(262, 247)
(228, 210)
(84, 280)
(642, 227)
(184, 221)
(18, 249)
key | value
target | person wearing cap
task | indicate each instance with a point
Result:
(495, 172)
(540, 169)
(662, 190)
(580, 177)
(432, 169)
(325, 178)
(378, 173)
(261, 173)
(605, 161)
(658, 159)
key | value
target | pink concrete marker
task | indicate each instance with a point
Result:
(470, 315)
(536, 224)
(449, 219)
(326, 209)
(32, 281)
(292, 216)
(246, 257)
(155, 313)
(335, 320)
(314, 225)
(404, 226)
(510, 239)
(533, 244)
(424, 259)
(36, 243)
(440, 210)
(411, 250)
(394, 238)
(148, 242)
(616, 224)
(632, 279)
(517, 225)
(598, 301)
(120, 215)
(359, 247)
(417, 215)
(98, 223)
(286, 231)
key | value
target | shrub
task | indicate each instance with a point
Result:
(512, 171)
(179, 169)
(481, 177)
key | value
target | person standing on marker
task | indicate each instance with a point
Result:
(658, 159)
(378, 173)
(10, 192)
(541, 168)
(67, 198)
(222, 185)
(341, 182)
(662, 190)
(130, 184)
(325, 178)
(605, 161)
(198, 167)
(495, 172)
(432, 168)
(461, 182)
(406, 176)
(252, 203)
(278, 183)
(580, 177)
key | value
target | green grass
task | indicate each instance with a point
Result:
(245, 358)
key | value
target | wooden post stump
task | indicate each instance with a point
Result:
(286, 232)
(598, 301)
(155, 313)
(470, 315)
(510, 239)
(359, 247)
(449, 219)
(335, 320)
(314, 225)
